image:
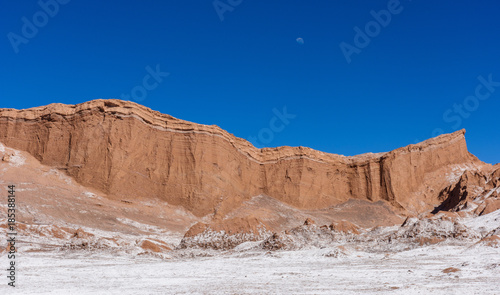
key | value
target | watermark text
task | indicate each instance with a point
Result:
(11, 235)
(31, 26)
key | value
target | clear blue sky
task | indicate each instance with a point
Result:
(234, 72)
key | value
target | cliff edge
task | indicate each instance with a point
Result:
(128, 150)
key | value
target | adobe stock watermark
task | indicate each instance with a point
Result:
(223, 6)
(149, 82)
(11, 235)
(30, 27)
(372, 29)
(461, 111)
(277, 124)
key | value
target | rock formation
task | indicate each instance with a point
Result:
(475, 189)
(225, 234)
(129, 151)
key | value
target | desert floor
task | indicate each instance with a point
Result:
(315, 271)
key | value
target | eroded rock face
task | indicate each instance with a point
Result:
(468, 188)
(225, 234)
(490, 205)
(154, 246)
(345, 227)
(129, 151)
(309, 235)
(474, 190)
(437, 228)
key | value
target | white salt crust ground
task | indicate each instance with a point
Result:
(374, 267)
(364, 267)
(417, 271)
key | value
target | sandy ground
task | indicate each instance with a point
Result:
(315, 271)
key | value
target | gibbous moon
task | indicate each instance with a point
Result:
(300, 41)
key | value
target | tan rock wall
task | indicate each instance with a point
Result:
(125, 149)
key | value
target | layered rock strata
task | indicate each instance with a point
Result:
(129, 151)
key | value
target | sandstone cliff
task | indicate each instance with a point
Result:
(129, 151)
